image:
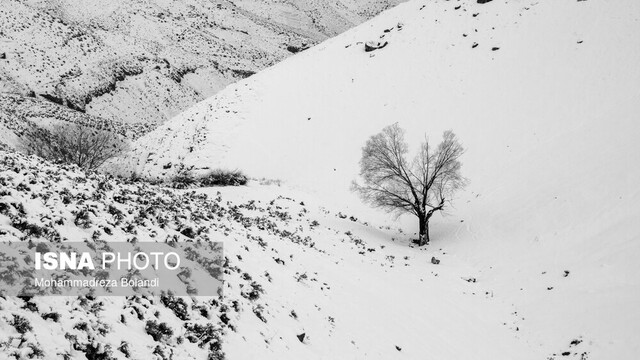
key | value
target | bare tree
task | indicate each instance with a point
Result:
(420, 187)
(84, 146)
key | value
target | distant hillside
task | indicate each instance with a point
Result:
(22, 114)
(143, 62)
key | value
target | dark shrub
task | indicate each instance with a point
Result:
(183, 180)
(82, 219)
(224, 178)
(84, 146)
(158, 331)
(176, 304)
(202, 334)
(21, 324)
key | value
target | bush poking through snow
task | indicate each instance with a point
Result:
(218, 177)
(203, 335)
(253, 291)
(175, 304)
(183, 180)
(158, 332)
(74, 144)
(224, 178)
(52, 315)
(124, 348)
(21, 324)
(83, 219)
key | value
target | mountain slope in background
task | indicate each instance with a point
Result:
(144, 62)
(544, 96)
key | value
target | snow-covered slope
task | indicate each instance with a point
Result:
(146, 61)
(301, 280)
(544, 96)
(20, 115)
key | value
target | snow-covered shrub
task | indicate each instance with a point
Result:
(83, 219)
(124, 348)
(183, 180)
(175, 304)
(52, 315)
(203, 334)
(158, 331)
(253, 291)
(84, 146)
(21, 324)
(224, 178)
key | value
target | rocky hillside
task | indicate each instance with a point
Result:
(20, 116)
(141, 62)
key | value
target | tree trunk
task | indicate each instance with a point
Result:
(424, 226)
(424, 231)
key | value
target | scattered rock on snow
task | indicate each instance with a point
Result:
(301, 337)
(374, 45)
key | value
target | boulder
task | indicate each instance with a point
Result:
(374, 45)
(301, 337)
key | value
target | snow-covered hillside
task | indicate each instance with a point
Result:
(543, 94)
(146, 61)
(301, 280)
(21, 115)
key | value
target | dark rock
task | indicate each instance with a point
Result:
(301, 337)
(374, 45)
(575, 342)
(243, 73)
(398, 348)
(188, 232)
(435, 261)
(296, 49)
(484, 1)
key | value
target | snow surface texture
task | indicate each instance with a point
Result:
(144, 62)
(544, 96)
(20, 115)
(301, 280)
